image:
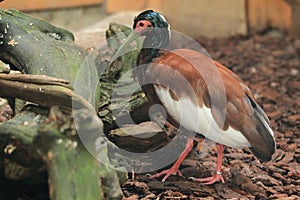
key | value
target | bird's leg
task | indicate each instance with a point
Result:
(218, 175)
(174, 169)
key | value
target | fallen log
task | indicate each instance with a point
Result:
(39, 138)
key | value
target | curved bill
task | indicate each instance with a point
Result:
(123, 48)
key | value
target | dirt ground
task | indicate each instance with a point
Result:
(270, 64)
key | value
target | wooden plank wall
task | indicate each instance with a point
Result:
(239, 16)
(194, 18)
(217, 18)
(294, 29)
(113, 6)
(26, 5)
(265, 13)
(213, 18)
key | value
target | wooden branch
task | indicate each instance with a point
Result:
(75, 174)
(140, 138)
(117, 78)
(41, 137)
(35, 47)
(35, 137)
(55, 67)
(42, 90)
(30, 45)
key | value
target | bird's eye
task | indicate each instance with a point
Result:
(141, 24)
(145, 23)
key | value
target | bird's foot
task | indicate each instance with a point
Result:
(209, 180)
(167, 173)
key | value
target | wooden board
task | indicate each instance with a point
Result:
(113, 6)
(128, 5)
(45, 4)
(195, 18)
(263, 14)
(218, 18)
(295, 21)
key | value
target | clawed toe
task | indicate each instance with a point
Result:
(167, 174)
(208, 180)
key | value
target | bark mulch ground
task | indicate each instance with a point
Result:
(270, 64)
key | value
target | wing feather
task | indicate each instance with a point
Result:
(185, 72)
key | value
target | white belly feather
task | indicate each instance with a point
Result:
(200, 120)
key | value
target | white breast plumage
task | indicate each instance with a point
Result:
(199, 119)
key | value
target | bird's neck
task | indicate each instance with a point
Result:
(147, 55)
(151, 47)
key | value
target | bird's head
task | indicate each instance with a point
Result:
(151, 25)
(148, 21)
(154, 27)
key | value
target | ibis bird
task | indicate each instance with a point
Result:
(184, 83)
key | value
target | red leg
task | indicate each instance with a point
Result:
(217, 176)
(174, 169)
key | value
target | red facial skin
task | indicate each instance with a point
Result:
(142, 26)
